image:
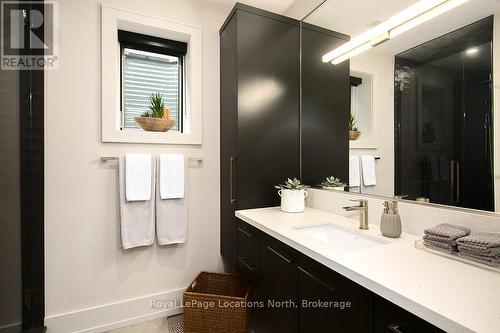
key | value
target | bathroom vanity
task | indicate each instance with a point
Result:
(285, 113)
(391, 285)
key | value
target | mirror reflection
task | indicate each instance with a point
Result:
(422, 109)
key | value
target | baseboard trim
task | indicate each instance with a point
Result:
(115, 315)
(11, 328)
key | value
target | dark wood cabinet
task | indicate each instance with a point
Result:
(267, 134)
(259, 114)
(301, 295)
(330, 302)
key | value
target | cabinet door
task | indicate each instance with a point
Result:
(390, 318)
(228, 144)
(330, 302)
(268, 107)
(278, 285)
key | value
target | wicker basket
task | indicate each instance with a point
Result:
(207, 304)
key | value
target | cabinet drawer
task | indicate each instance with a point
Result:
(390, 318)
(247, 266)
(248, 239)
(319, 283)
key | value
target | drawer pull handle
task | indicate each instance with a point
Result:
(245, 232)
(332, 289)
(279, 255)
(243, 261)
(396, 328)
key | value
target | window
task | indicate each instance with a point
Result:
(362, 106)
(150, 65)
(129, 38)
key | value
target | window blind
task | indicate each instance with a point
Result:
(143, 76)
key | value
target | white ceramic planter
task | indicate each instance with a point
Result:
(292, 201)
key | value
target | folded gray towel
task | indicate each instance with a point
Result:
(440, 239)
(440, 246)
(484, 239)
(450, 231)
(483, 260)
(488, 253)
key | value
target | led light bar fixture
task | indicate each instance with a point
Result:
(403, 21)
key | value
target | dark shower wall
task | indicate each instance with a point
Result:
(444, 119)
(425, 151)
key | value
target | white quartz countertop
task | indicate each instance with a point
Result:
(455, 296)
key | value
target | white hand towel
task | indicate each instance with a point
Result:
(354, 172)
(369, 174)
(137, 218)
(171, 216)
(138, 177)
(171, 176)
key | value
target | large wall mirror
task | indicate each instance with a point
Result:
(425, 94)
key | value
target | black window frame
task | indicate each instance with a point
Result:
(153, 44)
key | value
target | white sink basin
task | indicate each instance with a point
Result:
(342, 238)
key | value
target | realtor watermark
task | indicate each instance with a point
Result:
(271, 304)
(29, 35)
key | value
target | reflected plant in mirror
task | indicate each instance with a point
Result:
(403, 76)
(427, 104)
(333, 183)
(353, 127)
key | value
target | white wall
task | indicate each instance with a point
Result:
(90, 282)
(382, 65)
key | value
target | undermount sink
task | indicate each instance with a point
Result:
(342, 238)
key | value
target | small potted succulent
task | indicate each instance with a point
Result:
(157, 119)
(333, 183)
(354, 132)
(293, 194)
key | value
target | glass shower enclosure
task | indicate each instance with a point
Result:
(443, 119)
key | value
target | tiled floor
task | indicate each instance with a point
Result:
(161, 325)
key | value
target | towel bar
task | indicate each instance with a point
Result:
(115, 158)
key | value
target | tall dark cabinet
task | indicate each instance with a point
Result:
(260, 93)
(264, 132)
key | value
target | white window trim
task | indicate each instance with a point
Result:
(372, 142)
(113, 19)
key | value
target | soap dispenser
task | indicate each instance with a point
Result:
(390, 224)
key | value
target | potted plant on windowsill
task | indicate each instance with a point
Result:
(333, 183)
(293, 195)
(354, 132)
(157, 119)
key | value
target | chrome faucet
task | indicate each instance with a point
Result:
(363, 212)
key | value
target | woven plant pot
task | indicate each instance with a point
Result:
(156, 124)
(354, 135)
